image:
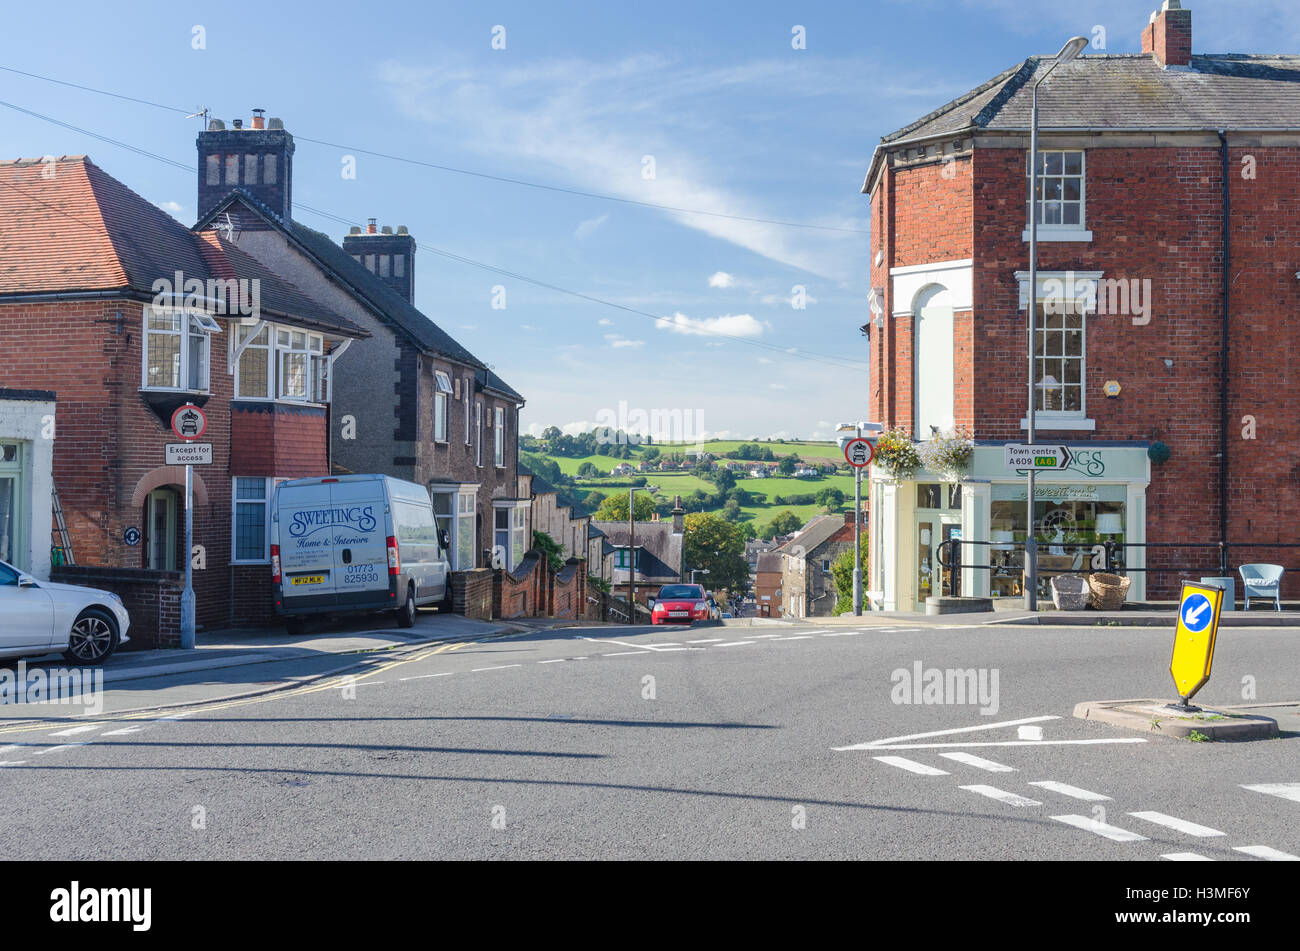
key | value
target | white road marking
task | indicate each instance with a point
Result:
(964, 729)
(1265, 852)
(799, 637)
(12, 762)
(1114, 833)
(1001, 795)
(11, 747)
(940, 746)
(1186, 857)
(842, 633)
(1065, 789)
(55, 749)
(129, 729)
(979, 763)
(1030, 733)
(820, 630)
(624, 653)
(1179, 825)
(707, 640)
(182, 716)
(1284, 790)
(73, 731)
(910, 765)
(446, 673)
(367, 683)
(760, 637)
(558, 660)
(499, 667)
(735, 643)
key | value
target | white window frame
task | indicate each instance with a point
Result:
(318, 382)
(192, 324)
(469, 399)
(1081, 286)
(499, 437)
(442, 390)
(268, 483)
(1060, 232)
(478, 439)
(517, 540)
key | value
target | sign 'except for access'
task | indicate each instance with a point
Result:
(1198, 623)
(189, 453)
(1038, 458)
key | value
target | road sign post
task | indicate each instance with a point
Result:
(859, 452)
(188, 423)
(1198, 624)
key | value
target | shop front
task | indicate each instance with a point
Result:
(1099, 497)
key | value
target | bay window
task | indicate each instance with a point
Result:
(453, 506)
(177, 347)
(250, 535)
(508, 535)
(280, 363)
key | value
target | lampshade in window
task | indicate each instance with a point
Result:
(1110, 523)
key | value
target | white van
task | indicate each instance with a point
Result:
(355, 543)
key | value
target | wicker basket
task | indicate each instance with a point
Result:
(1108, 590)
(1070, 593)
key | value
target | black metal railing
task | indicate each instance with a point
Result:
(1106, 556)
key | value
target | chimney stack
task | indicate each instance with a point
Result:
(389, 256)
(1168, 37)
(679, 516)
(257, 160)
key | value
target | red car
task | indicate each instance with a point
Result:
(680, 604)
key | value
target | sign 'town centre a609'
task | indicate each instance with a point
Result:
(1052, 458)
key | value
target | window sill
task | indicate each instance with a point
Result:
(1056, 423)
(1067, 235)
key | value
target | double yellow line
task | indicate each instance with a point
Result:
(331, 682)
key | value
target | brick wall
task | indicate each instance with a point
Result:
(472, 593)
(152, 600)
(519, 593)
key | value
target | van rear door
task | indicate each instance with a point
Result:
(359, 532)
(306, 551)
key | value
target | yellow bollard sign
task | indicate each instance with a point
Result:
(1198, 623)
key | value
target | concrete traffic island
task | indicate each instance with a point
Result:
(1156, 716)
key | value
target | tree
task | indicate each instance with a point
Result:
(593, 500)
(588, 470)
(650, 453)
(787, 465)
(842, 576)
(724, 480)
(717, 546)
(783, 523)
(831, 498)
(731, 511)
(614, 508)
(551, 433)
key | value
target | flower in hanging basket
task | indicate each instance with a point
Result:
(897, 453)
(948, 453)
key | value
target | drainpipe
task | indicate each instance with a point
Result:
(1223, 364)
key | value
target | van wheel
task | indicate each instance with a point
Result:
(295, 626)
(406, 613)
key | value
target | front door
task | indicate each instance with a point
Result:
(932, 578)
(160, 530)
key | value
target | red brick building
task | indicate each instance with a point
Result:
(1169, 247)
(127, 315)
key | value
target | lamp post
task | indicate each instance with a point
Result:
(1072, 48)
(631, 549)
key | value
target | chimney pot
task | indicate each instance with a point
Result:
(387, 229)
(237, 123)
(355, 229)
(370, 227)
(259, 119)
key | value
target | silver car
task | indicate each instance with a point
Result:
(43, 617)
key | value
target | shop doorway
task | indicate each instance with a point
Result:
(938, 519)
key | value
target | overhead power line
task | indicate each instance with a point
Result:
(826, 359)
(487, 176)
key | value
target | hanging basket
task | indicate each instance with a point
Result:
(1108, 590)
(1070, 593)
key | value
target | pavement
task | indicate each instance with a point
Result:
(767, 741)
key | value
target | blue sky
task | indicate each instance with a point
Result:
(737, 121)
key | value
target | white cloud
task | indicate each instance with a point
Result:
(619, 342)
(766, 360)
(732, 325)
(722, 279)
(773, 299)
(586, 228)
(605, 322)
(171, 207)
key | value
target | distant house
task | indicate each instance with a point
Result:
(807, 472)
(667, 466)
(758, 472)
(807, 589)
(767, 584)
(657, 553)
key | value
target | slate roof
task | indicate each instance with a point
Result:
(1127, 91)
(817, 532)
(382, 299)
(769, 561)
(662, 558)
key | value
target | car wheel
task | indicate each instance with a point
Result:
(93, 637)
(406, 613)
